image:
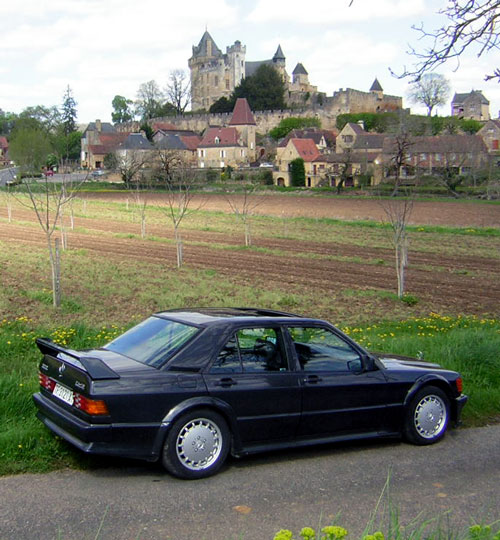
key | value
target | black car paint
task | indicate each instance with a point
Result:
(263, 410)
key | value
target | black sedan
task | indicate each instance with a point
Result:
(189, 386)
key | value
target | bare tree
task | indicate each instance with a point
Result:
(47, 199)
(345, 169)
(431, 90)
(469, 24)
(178, 90)
(179, 199)
(401, 145)
(130, 163)
(398, 213)
(140, 192)
(243, 205)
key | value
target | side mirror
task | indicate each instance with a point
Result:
(355, 365)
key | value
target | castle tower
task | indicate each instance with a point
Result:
(300, 75)
(279, 62)
(207, 73)
(236, 64)
(376, 88)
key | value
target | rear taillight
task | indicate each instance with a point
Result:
(46, 382)
(459, 385)
(90, 406)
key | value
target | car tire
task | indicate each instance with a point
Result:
(196, 445)
(427, 416)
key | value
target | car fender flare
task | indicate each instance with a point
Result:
(204, 402)
(426, 380)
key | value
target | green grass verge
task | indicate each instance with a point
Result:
(469, 345)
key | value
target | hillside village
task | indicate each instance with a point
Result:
(331, 157)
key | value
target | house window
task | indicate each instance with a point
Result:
(227, 84)
(202, 164)
(222, 165)
(423, 157)
(201, 153)
(216, 80)
(217, 140)
(437, 157)
(222, 153)
(347, 138)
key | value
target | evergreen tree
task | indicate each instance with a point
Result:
(68, 113)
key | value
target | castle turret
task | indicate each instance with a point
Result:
(279, 62)
(376, 88)
(236, 62)
(300, 75)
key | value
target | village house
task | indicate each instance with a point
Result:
(471, 105)
(233, 145)
(459, 154)
(98, 140)
(297, 148)
(490, 133)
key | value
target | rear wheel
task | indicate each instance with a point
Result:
(427, 416)
(196, 445)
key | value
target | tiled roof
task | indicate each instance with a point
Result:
(441, 144)
(278, 55)
(191, 141)
(3, 142)
(202, 48)
(106, 127)
(216, 136)
(306, 148)
(170, 142)
(136, 141)
(299, 70)
(108, 142)
(165, 126)
(472, 95)
(242, 114)
(252, 67)
(369, 140)
(356, 127)
(376, 86)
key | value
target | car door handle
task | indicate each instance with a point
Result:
(312, 379)
(226, 381)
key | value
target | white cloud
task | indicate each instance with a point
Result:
(321, 12)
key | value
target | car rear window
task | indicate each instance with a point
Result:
(153, 341)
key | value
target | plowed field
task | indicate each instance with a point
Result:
(445, 282)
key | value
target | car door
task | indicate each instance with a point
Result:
(339, 397)
(252, 374)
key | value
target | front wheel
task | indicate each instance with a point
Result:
(197, 445)
(427, 416)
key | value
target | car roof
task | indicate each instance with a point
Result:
(214, 316)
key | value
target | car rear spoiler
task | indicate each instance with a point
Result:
(95, 367)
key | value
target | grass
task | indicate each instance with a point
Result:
(101, 296)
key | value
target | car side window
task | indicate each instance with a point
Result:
(228, 360)
(319, 349)
(252, 350)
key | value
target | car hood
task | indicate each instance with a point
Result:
(396, 361)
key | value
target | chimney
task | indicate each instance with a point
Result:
(361, 124)
(98, 125)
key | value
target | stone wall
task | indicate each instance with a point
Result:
(342, 101)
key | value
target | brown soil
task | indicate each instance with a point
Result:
(459, 284)
(454, 214)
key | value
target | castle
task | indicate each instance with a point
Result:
(215, 75)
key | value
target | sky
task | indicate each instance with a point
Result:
(101, 48)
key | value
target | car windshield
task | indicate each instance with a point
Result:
(153, 341)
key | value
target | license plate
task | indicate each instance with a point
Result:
(63, 393)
